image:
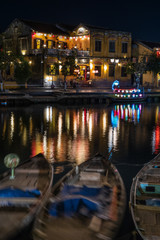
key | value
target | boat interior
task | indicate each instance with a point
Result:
(147, 207)
(89, 204)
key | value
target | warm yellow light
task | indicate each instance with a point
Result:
(30, 62)
(105, 67)
(91, 66)
(23, 52)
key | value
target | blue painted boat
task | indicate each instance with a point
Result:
(87, 203)
(23, 196)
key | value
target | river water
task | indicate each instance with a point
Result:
(64, 133)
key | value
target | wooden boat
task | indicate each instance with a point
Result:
(145, 200)
(22, 198)
(87, 203)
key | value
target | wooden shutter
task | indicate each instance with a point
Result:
(35, 44)
(42, 43)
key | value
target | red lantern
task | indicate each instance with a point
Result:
(158, 53)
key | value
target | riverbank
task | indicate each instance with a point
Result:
(25, 97)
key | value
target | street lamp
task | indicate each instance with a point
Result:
(114, 61)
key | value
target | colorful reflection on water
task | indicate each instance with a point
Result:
(156, 132)
(77, 133)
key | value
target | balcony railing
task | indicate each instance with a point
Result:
(60, 52)
(82, 53)
(36, 51)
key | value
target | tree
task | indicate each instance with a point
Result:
(68, 67)
(22, 71)
(153, 65)
(137, 68)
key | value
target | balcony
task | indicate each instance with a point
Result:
(36, 51)
(82, 53)
(60, 52)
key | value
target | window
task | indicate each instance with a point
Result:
(8, 45)
(111, 70)
(64, 45)
(111, 46)
(98, 71)
(124, 47)
(52, 69)
(123, 72)
(98, 45)
(24, 44)
(38, 43)
(49, 44)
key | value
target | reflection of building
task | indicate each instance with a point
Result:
(100, 53)
(156, 133)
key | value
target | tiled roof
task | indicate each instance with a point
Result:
(96, 27)
(151, 45)
(44, 27)
(66, 27)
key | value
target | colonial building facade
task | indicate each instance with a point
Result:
(101, 54)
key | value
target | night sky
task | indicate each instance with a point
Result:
(141, 18)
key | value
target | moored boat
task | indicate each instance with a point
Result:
(87, 203)
(128, 95)
(22, 196)
(145, 200)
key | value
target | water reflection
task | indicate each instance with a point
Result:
(72, 134)
(156, 132)
(129, 113)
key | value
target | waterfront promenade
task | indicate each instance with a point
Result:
(83, 95)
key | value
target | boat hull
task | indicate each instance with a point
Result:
(97, 226)
(145, 200)
(19, 211)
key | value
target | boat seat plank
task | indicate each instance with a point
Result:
(90, 176)
(95, 170)
(31, 171)
(17, 201)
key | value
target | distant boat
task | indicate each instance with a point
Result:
(87, 203)
(22, 198)
(145, 200)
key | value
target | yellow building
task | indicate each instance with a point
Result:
(108, 52)
(142, 49)
(101, 54)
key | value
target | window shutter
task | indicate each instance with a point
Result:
(42, 43)
(35, 44)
